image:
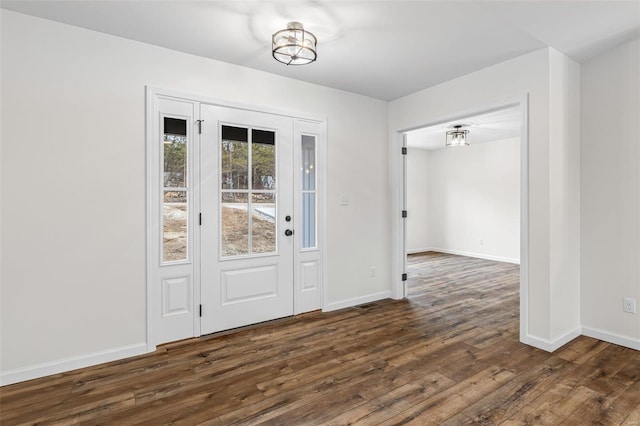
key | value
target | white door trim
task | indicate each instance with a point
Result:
(396, 174)
(152, 95)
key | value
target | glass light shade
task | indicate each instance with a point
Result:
(294, 46)
(457, 137)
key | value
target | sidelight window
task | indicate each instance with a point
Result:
(175, 190)
(309, 195)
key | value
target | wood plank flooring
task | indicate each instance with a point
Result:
(449, 354)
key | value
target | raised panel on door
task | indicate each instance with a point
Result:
(246, 196)
(176, 296)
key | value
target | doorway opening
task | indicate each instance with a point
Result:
(465, 209)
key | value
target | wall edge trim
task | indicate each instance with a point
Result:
(607, 336)
(72, 363)
(419, 250)
(348, 303)
(549, 345)
(477, 255)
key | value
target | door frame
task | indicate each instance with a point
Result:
(152, 225)
(397, 177)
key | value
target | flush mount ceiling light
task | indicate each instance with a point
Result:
(294, 46)
(457, 136)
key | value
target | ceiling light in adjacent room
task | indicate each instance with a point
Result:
(294, 46)
(457, 136)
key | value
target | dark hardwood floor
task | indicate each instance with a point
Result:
(449, 354)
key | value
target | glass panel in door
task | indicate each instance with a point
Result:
(234, 158)
(234, 235)
(263, 223)
(248, 191)
(263, 160)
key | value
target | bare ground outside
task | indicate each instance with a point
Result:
(235, 239)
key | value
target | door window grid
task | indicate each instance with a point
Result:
(308, 192)
(248, 163)
(175, 189)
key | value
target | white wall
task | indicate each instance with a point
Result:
(610, 193)
(545, 325)
(73, 184)
(470, 201)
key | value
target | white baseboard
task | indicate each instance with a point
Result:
(605, 336)
(334, 306)
(552, 345)
(72, 363)
(419, 250)
(628, 342)
(476, 255)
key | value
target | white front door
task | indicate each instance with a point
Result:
(246, 193)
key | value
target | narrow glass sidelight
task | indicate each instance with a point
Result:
(175, 152)
(175, 190)
(308, 196)
(248, 192)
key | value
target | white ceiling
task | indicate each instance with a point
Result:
(485, 127)
(383, 49)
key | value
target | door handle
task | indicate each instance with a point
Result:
(288, 232)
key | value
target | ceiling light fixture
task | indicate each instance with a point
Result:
(457, 136)
(294, 46)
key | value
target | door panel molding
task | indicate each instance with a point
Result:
(241, 285)
(176, 295)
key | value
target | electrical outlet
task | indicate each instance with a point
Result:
(372, 272)
(629, 305)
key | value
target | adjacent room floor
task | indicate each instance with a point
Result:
(449, 354)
